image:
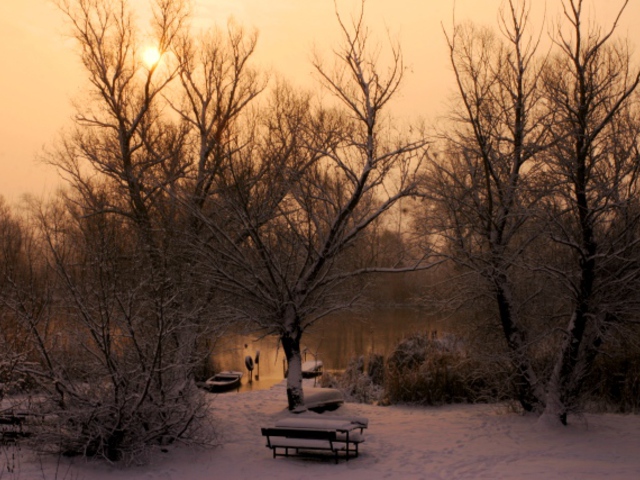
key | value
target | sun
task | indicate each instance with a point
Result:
(151, 56)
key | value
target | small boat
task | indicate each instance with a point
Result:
(321, 399)
(311, 368)
(223, 381)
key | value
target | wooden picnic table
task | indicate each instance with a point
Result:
(348, 433)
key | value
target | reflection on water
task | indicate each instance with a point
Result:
(334, 340)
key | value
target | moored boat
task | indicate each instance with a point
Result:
(311, 368)
(321, 399)
(223, 381)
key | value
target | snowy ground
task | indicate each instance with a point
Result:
(453, 442)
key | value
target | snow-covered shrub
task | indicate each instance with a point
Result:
(95, 422)
(355, 384)
(14, 376)
(112, 339)
(114, 400)
(614, 384)
(429, 371)
(375, 369)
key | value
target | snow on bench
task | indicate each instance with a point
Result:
(303, 439)
(349, 430)
(323, 423)
(360, 422)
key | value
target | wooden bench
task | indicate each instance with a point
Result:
(306, 439)
(349, 430)
(15, 419)
(12, 426)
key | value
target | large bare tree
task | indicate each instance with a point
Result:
(133, 305)
(307, 191)
(593, 167)
(121, 145)
(537, 180)
(481, 184)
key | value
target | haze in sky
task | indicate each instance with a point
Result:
(41, 74)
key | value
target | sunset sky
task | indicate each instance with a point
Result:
(40, 74)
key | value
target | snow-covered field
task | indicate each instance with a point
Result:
(453, 442)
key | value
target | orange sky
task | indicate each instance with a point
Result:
(40, 74)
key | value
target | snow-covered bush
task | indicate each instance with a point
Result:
(375, 369)
(429, 371)
(95, 422)
(118, 380)
(355, 384)
(614, 384)
(14, 376)
(108, 337)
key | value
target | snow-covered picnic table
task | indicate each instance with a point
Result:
(335, 434)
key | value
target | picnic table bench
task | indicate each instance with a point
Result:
(12, 426)
(334, 434)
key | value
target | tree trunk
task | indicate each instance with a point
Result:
(566, 381)
(526, 383)
(565, 384)
(291, 346)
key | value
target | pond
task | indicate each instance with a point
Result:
(335, 340)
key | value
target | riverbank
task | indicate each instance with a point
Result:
(402, 442)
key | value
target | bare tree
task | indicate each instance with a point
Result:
(306, 192)
(538, 177)
(482, 184)
(120, 138)
(217, 85)
(116, 375)
(130, 162)
(127, 157)
(130, 304)
(26, 293)
(214, 96)
(589, 89)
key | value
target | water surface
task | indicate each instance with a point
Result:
(335, 340)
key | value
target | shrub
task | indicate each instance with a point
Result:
(355, 384)
(95, 421)
(430, 371)
(614, 383)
